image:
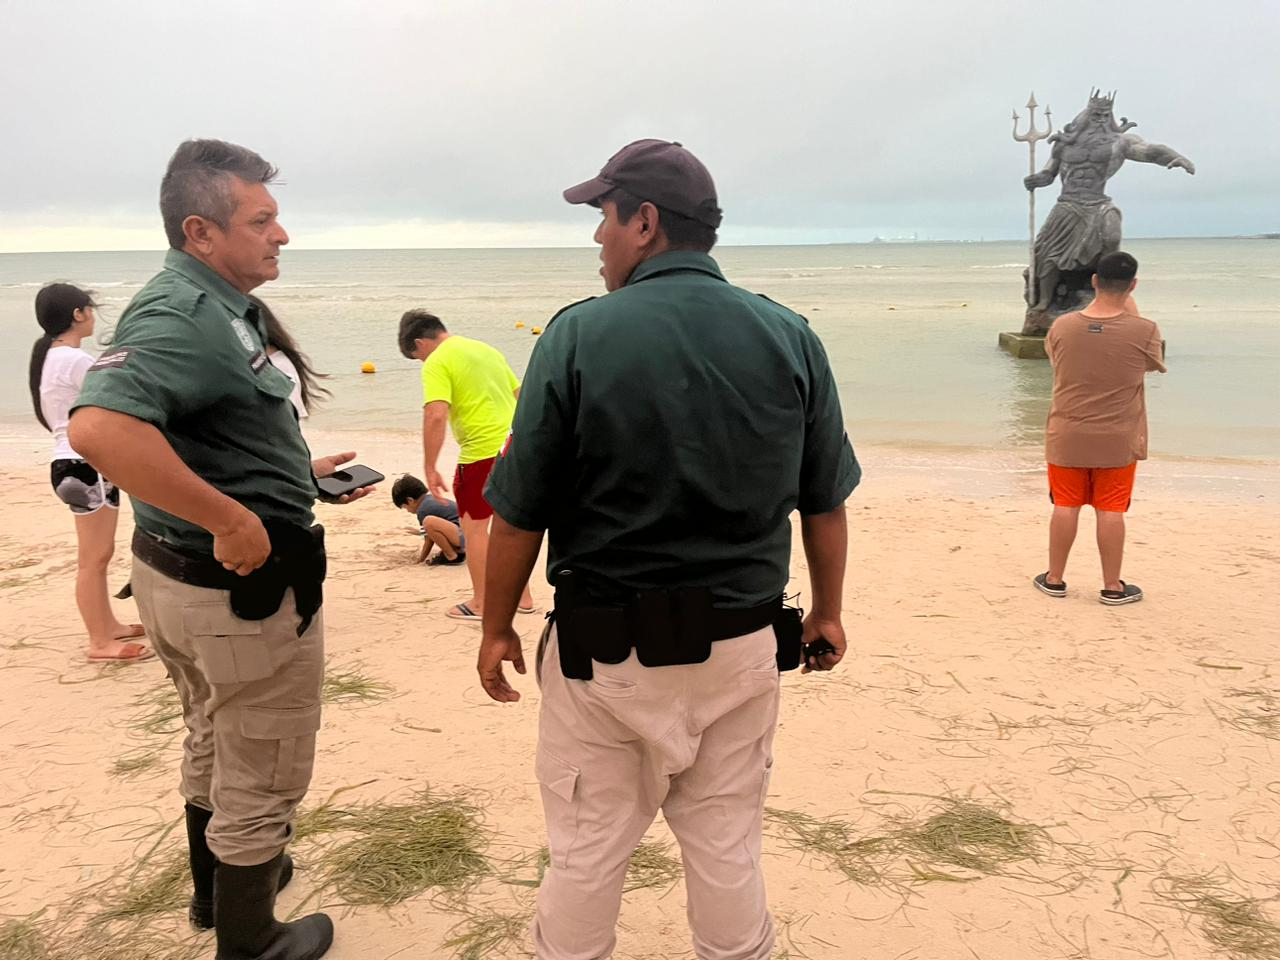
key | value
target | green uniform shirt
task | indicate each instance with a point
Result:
(189, 357)
(665, 433)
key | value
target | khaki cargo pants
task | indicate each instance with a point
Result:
(694, 741)
(250, 692)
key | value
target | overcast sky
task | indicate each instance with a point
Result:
(442, 123)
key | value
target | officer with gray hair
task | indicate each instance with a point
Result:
(187, 415)
(664, 435)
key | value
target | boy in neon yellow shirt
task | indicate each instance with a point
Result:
(470, 385)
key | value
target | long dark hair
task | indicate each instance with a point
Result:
(56, 306)
(278, 337)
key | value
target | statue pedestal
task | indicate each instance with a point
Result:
(1023, 347)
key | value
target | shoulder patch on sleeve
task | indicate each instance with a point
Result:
(569, 307)
(116, 358)
(784, 307)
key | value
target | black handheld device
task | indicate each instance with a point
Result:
(818, 648)
(347, 480)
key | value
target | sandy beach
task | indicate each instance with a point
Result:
(990, 774)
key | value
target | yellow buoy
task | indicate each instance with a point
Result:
(536, 330)
(519, 324)
(368, 367)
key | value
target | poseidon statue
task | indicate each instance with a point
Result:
(1084, 223)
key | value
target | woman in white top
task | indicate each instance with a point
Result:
(58, 366)
(292, 362)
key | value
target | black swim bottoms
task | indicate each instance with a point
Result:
(81, 487)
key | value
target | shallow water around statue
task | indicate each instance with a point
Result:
(910, 328)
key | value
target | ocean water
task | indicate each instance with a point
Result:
(910, 328)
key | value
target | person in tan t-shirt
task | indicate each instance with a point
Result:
(1097, 427)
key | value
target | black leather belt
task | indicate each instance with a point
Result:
(184, 567)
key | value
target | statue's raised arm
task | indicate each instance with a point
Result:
(1135, 148)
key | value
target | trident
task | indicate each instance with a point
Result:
(1032, 137)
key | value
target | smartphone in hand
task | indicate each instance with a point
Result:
(346, 481)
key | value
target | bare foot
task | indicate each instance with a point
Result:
(129, 631)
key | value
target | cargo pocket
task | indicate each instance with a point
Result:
(560, 802)
(227, 649)
(291, 733)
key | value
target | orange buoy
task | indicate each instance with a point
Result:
(368, 367)
(536, 330)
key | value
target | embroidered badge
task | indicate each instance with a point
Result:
(1095, 328)
(257, 362)
(108, 360)
(242, 331)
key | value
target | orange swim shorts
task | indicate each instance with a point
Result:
(1103, 488)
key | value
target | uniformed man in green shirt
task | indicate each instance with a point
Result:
(186, 414)
(663, 437)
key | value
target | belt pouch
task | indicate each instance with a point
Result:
(788, 628)
(670, 627)
(258, 595)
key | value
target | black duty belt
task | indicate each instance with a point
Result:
(185, 568)
(663, 627)
(297, 561)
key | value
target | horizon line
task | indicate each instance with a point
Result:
(897, 242)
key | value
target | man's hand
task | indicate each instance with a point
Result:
(1040, 179)
(497, 645)
(435, 483)
(243, 546)
(328, 466)
(832, 631)
(1182, 162)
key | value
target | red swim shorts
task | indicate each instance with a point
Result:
(468, 488)
(1103, 488)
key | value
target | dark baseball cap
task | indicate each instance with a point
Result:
(662, 172)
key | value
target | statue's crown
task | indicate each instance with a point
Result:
(1098, 99)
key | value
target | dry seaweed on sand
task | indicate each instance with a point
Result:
(969, 836)
(404, 849)
(159, 712)
(1254, 710)
(23, 940)
(157, 719)
(165, 887)
(831, 840)
(1234, 924)
(136, 762)
(952, 841)
(350, 685)
(652, 866)
(486, 933)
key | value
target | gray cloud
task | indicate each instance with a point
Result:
(824, 120)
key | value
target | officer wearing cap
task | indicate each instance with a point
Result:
(187, 414)
(664, 435)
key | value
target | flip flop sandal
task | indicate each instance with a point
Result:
(1052, 589)
(129, 653)
(526, 609)
(462, 612)
(1129, 593)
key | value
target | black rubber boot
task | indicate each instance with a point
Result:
(203, 863)
(244, 911)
